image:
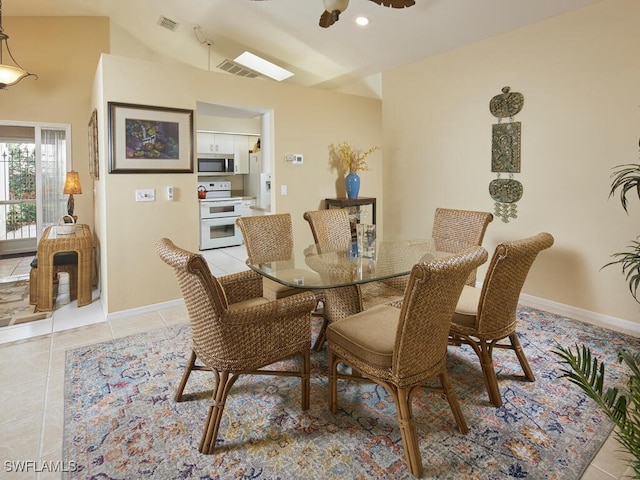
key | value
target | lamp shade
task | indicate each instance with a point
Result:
(72, 184)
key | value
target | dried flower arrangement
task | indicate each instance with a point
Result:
(349, 159)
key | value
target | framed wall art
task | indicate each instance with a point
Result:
(147, 139)
(94, 166)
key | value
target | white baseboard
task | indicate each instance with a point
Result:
(587, 316)
(146, 309)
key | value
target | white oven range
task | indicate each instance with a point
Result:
(218, 213)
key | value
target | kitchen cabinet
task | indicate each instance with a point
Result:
(210, 142)
(241, 154)
(245, 209)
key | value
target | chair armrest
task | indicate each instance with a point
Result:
(241, 286)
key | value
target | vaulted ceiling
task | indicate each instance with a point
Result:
(344, 57)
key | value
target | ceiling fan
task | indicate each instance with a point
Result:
(333, 9)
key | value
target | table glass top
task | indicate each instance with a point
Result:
(310, 269)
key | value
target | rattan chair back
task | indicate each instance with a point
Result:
(452, 228)
(503, 282)
(268, 238)
(429, 301)
(331, 229)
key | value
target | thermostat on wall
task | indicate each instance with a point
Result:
(295, 158)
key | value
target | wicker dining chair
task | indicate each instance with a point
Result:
(331, 230)
(402, 349)
(269, 238)
(236, 331)
(454, 227)
(486, 315)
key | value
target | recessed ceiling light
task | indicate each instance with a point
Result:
(263, 66)
(362, 21)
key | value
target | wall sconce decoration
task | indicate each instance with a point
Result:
(505, 153)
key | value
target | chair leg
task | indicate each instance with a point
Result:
(333, 381)
(489, 373)
(450, 393)
(322, 336)
(515, 344)
(407, 429)
(185, 376)
(306, 379)
(224, 381)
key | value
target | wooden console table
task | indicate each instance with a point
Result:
(51, 243)
(354, 206)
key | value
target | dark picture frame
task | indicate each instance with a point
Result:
(94, 164)
(149, 139)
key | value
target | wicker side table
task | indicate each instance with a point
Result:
(51, 243)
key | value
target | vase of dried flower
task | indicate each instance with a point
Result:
(352, 183)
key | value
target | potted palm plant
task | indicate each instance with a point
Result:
(621, 406)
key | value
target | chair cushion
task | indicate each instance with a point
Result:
(467, 307)
(252, 302)
(369, 335)
(273, 290)
(62, 258)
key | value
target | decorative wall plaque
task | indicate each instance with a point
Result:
(505, 153)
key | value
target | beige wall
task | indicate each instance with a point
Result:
(305, 121)
(580, 77)
(64, 53)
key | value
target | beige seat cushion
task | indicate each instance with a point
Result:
(369, 335)
(467, 307)
(252, 302)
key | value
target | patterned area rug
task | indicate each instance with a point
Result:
(14, 304)
(121, 420)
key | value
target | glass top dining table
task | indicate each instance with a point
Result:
(311, 268)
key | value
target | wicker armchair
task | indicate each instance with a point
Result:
(331, 230)
(485, 316)
(454, 227)
(401, 349)
(236, 331)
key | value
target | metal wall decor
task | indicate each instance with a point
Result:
(505, 153)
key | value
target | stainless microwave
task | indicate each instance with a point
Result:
(216, 164)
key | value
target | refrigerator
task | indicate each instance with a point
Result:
(258, 181)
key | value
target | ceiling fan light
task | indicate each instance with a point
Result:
(362, 21)
(333, 5)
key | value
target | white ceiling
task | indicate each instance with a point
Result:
(343, 57)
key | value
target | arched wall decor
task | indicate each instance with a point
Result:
(505, 153)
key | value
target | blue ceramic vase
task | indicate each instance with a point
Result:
(352, 183)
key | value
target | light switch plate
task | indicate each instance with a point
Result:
(146, 195)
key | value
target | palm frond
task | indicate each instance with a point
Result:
(623, 409)
(625, 178)
(630, 261)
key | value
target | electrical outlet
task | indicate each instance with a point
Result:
(283, 190)
(146, 195)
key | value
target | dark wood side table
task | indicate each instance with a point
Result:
(354, 205)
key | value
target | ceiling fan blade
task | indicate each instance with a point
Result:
(395, 3)
(327, 19)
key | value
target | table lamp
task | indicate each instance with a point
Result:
(71, 187)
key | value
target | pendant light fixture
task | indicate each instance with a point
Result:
(9, 74)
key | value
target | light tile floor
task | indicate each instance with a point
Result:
(32, 375)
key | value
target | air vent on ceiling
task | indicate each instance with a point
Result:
(168, 23)
(237, 69)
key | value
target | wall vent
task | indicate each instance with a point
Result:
(167, 23)
(237, 69)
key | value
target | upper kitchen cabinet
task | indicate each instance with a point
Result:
(209, 142)
(241, 153)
